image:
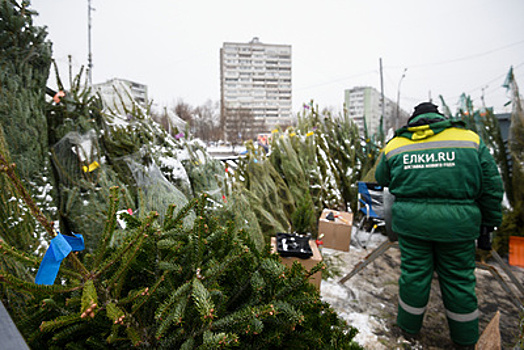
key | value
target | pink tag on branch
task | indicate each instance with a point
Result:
(58, 95)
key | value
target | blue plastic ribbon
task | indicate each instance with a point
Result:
(58, 250)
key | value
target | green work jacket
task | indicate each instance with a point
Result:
(445, 181)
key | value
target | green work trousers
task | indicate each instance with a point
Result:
(454, 263)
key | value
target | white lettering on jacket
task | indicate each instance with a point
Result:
(429, 160)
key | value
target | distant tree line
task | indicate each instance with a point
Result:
(208, 123)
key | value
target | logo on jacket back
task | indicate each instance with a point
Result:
(428, 160)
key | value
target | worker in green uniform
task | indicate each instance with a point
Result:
(448, 193)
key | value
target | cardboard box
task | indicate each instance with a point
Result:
(307, 263)
(337, 233)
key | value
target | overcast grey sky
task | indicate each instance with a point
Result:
(449, 47)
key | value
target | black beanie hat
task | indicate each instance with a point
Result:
(425, 107)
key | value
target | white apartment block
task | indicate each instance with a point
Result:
(117, 93)
(256, 77)
(364, 105)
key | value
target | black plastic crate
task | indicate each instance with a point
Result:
(294, 245)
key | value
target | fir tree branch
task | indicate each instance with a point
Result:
(202, 300)
(240, 291)
(149, 293)
(243, 315)
(32, 287)
(176, 317)
(304, 279)
(212, 340)
(124, 249)
(134, 335)
(109, 228)
(172, 221)
(26, 259)
(9, 169)
(77, 264)
(73, 274)
(69, 332)
(114, 313)
(89, 299)
(126, 260)
(132, 296)
(181, 292)
(169, 216)
(49, 326)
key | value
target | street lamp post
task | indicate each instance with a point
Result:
(398, 98)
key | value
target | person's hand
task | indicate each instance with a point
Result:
(484, 240)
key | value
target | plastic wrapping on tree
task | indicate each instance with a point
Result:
(246, 212)
(73, 156)
(206, 173)
(266, 186)
(83, 188)
(175, 172)
(158, 193)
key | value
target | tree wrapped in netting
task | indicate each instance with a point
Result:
(308, 168)
(80, 162)
(155, 191)
(485, 123)
(96, 146)
(305, 147)
(25, 58)
(207, 174)
(229, 199)
(352, 158)
(269, 195)
(285, 160)
(492, 136)
(75, 109)
(335, 157)
(246, 212)
(17, 227)
(133, 132)
(513, 220)
(313, 145)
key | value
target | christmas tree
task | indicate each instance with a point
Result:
(173, 286)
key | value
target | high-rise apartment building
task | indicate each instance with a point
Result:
(364, 105)
(255, 79)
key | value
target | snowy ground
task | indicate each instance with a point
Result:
(346, 297)
(368, 300)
